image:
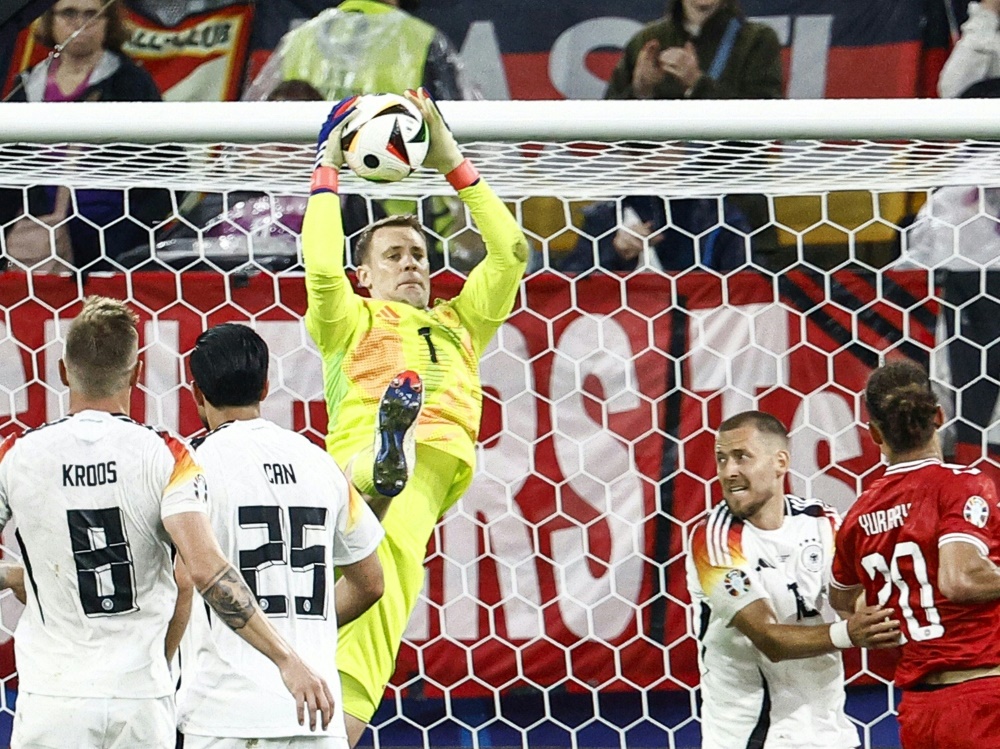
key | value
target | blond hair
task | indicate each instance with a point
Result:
(101, 347)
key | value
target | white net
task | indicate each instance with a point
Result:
(675, 280)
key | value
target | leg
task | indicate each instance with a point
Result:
(355, 729)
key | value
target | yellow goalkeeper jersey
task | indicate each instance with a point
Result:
(365, 342)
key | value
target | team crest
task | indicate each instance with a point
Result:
(811, 557)
(737, 583)
(977, 511)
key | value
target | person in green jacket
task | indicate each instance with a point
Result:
(364, 47)
(702, 49)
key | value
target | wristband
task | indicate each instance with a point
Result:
(839, 635)
(462, 176)
(324, 179)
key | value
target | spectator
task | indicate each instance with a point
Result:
(88, 66)
(361, 47)
(976, 56)
(702, 49)
(956, 235)
(679, 234)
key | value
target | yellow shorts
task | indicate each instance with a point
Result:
(368, 646)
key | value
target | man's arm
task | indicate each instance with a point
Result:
(333, 307)
(870, 628)
(182, 608)
(845, 600)
(12, 578)
(360, 586)
(976, 55)
(224, 590)
(965, 575)
(488, 295)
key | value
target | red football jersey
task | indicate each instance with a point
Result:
(889, 543)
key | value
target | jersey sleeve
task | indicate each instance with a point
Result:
(844, 574)
(5, 512)
(725, 576)
(184, 487)
(358, 532)
(333, 309)
(968, 512)
(488, 295)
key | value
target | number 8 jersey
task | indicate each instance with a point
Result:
(88, 494)
(889, 544)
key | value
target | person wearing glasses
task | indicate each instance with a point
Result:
(90, 65)
(87, 65)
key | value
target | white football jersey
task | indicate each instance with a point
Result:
(88, 494)
(285, 515)
(748, 701)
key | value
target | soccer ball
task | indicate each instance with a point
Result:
(387, 140)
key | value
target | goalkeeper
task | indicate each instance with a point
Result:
(404, 371)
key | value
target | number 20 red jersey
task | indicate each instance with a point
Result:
(889, 543)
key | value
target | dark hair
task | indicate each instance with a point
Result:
(365, 238)
(902, 405)
(295, 90)
(116, 34)
(229, 365)
(762, 421)
(675, 10)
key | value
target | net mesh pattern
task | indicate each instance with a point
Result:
(570, 170)
(670, 285)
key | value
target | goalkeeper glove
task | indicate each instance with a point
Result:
(328, 151)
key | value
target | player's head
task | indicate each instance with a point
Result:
(98, 27)
(391, 256)
(229, 368)
(101, 358)
(751, 457)
(904, 413)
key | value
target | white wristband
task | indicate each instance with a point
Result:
(839, 635)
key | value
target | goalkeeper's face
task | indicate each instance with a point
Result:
(751, 468)
(396, 267)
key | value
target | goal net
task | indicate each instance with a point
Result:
(689, 260)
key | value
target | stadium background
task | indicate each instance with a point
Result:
(563, 571)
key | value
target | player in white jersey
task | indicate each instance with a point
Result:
(758, 570)
(99, 500)
(285, 515)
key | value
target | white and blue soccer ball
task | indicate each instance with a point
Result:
(387, 140)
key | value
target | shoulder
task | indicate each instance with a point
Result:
(133, 81)
(718, 538)
(814, 508)
(7, 443)
(760, 33)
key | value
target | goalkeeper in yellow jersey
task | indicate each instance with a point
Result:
(404, 371)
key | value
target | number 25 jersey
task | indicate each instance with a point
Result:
(88, 494)
(889, 543)
(285, 516)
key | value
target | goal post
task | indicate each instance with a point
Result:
(555, 611)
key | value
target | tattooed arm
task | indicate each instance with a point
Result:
(224, 589)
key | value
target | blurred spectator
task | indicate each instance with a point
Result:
(658, 234)
(976, 56)
(363, 47)
(88, 66)
(702, 49)
(956, 235)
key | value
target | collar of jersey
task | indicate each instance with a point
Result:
(912, 465)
